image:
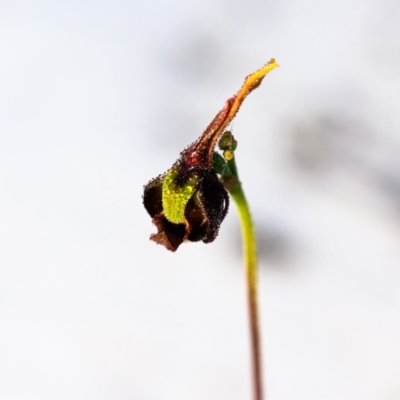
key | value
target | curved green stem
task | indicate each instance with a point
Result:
(234, 187)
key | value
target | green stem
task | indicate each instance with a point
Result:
(233, 185)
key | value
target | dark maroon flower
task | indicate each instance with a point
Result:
(189, 202)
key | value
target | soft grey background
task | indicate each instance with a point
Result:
(98, 97)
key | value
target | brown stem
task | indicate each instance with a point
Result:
(255, 343)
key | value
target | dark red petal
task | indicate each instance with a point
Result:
(197, 220)
(169, 235)
(152, 196)
(215, 202)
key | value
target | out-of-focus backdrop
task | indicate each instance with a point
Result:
(98, 97)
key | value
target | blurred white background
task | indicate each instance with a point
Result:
(98, 97)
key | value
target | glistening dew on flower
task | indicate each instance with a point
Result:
(189, 202)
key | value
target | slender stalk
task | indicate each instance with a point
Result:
(234, 187)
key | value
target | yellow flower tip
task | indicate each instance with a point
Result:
(269, 66)
(273, 62)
